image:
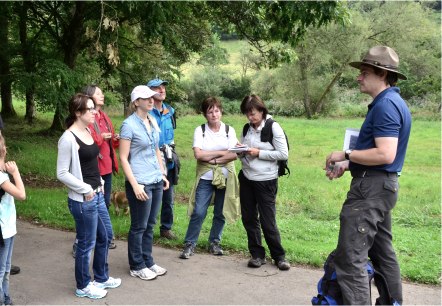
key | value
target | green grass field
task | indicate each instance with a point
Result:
(308, 203)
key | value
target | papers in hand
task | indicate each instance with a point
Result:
(350, 138)
(239, 149)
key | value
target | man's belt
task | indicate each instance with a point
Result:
(372, 172)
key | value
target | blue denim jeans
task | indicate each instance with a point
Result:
(94, 231)
(167, 206)
(203, 196)
(5, 268)
(143, 216)
(107, 178)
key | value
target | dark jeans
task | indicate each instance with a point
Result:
(143, 216)
(259, 211)
(365, 231)
(167, 206)
(107, 188)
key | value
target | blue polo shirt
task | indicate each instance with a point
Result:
(142, 153)
(388, 116)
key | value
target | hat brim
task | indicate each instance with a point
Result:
(358, 65)
(158, 84)
(144, 96)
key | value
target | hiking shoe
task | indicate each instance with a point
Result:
(158, 270)
(144, 274)
(8, 300)
(283, 265)
(14, 270)
(256, 262)
(91, 292)
(168, 234)
(187, 251)
(111, 283)
(74, 250)
(215, 248)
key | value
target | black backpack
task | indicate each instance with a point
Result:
(267, 136)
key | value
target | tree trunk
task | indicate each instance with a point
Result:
(5, 68)
(303, 65)
(28, 61)
(321, 101)
(72, 42)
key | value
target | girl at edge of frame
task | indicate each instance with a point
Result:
(8, 217)
(77, 168)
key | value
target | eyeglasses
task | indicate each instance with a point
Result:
(90, 109)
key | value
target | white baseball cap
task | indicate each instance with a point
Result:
(141, 91)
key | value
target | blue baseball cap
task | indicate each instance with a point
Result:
(156, 82)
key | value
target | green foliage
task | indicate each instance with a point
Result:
(214, 54)
(235, 88)
(279, 21)
(207, 82)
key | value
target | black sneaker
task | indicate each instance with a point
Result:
(215, 248)
(14, 270)
(256, 262)
(187, 251)
(283, 265)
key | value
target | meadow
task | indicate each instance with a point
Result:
(308, 204)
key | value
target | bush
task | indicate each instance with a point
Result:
(235, 89)
(231, 107)
(205, 83)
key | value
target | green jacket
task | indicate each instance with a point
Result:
(231, 208)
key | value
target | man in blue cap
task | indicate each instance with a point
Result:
(165, 116)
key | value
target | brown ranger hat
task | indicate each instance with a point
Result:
(382, 57)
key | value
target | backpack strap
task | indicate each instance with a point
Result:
(203, 128)
(266, 132)
(245, 129)
(173, 118)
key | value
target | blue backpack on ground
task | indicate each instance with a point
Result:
(329, 292)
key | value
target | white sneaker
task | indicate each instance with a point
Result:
(109, 284)
(158, 270)
(91, 292)
(144, 274)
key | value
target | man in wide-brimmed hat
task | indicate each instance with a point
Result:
(375, 164)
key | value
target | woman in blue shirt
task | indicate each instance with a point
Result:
(145, 180)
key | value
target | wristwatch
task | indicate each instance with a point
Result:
(347, 154)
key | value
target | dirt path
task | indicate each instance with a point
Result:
(47, 277)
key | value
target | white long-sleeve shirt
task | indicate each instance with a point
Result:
(265, 166)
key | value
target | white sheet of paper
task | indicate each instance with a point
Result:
(350, 138)
(239, 149)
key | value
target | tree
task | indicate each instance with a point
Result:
(5, 60)
(324, 53)
(263, 22)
